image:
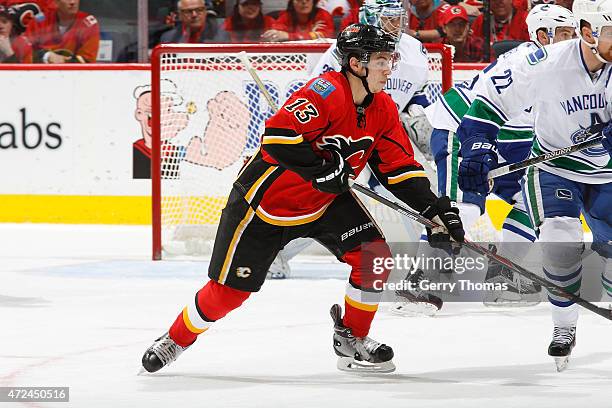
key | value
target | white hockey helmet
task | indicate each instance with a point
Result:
(396, 18)
(598, 13)
(548, 17)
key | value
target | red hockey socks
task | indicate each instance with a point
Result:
(364, 287)
(211, 303)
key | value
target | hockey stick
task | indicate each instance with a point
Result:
(403, 209)
(554, 289)
(502, 171)
(244, 58)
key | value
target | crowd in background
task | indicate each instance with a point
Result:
(60, 31)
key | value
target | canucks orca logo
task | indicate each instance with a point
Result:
(583, 134)
(352, 150)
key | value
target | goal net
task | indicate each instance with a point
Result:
(208, 116)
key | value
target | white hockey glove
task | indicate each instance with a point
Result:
(418, 128)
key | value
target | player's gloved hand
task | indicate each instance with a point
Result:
(607, 138)
(477, 161)
(334, 175)
(445, 213)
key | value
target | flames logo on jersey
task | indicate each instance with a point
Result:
(352, 150)
(583, 134)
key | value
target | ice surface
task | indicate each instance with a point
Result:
(80, 304)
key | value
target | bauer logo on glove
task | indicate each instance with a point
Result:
(334, 178)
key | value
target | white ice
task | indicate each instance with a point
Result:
(80, 304)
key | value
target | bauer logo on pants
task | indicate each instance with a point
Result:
(355, 230)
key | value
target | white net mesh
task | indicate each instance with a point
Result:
(212, 116)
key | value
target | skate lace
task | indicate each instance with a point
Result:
(564, 335)
(167, 350)
(370, 345)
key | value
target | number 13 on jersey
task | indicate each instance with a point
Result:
(303, 110)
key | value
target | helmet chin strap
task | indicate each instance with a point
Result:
(595, 51)
(367, 100)
(363, 78)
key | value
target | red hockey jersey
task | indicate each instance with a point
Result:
(81, 40)
(22, 51)
(318, 118)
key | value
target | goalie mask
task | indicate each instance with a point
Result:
(548, 17)
(388, 15)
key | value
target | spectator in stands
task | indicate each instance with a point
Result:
(455, 25)
(247, 23)
(66, 35)
(352, 16)
(14, 47)
(507, 22)
(424, 24)
(302, 20)
(46, 6)
(195, 25)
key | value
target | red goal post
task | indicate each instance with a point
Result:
(207, 116)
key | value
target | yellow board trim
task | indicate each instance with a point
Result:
(359, 305)
(406, 176)
(64, 209)
(190, 326)
(131, 210)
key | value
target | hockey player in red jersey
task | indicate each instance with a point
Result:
(297, 186)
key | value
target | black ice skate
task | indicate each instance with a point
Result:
(359, 354)
(416, 302)
(161, 353)
(521, 291)
(564, 340)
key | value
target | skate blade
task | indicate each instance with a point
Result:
(499, 302)
(416, 309)
(349, 364)
(561, 363)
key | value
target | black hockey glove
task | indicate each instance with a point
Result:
(334, 175)
(446, 214)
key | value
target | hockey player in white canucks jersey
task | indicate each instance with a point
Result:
(566, 85)
(405, 86)
(547, 24)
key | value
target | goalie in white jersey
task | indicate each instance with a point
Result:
(405, 85)
(566, 84)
